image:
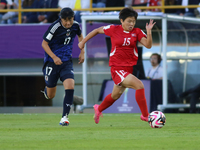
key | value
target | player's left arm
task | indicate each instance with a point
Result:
(147, 42)
(82, 53)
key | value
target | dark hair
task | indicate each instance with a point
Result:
(158, 56)
(66, 13)
(127, 12)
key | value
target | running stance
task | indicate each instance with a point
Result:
(57, 43)
(123, 57)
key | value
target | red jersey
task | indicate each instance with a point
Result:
(124, 45)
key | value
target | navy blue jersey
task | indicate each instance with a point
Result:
(61, 40)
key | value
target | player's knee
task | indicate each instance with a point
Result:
(140, 85)
(51, 96)
(116, 96)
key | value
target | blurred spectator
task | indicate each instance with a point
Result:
(10, 17)
(128, 3)
(75, 4)
(194, 94)
(156, 71)
(190, 12)
(154, 3)
(31, 17)
(78, 5)
(66, 3)
(26, 4)
(139, 3)
(115, 3)
(3, 5)
(197, 12)
(42, 17)
(170, 2)
(147, 3)
(99, 4)
(48, 17)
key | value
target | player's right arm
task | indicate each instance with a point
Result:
(91, 35)
(47, 49)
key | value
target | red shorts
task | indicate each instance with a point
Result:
(120, 73)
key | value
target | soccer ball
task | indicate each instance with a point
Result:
(156, 119)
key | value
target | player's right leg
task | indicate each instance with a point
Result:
(45, 93)
(49, 93)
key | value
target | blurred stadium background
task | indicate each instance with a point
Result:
(21, 59)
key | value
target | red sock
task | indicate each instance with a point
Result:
(107, 102)
(141, 100)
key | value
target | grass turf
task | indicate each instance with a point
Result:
(114, 132)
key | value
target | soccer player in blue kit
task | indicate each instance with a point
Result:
(57, 44)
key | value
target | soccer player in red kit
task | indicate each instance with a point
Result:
(123, 57)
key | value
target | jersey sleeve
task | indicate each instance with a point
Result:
(141, 34)
(79, 30)
(108, 30)
(48, 35)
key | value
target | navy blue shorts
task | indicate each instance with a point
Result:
(53, 72)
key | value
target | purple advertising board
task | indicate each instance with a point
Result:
(24, 42)
(126, 103)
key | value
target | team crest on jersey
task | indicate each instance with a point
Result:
(68, 32)
(46, 78)
(133, 35)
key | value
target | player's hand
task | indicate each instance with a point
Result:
(81, 57)
(150, 25)
(81, 45)
(57, 61)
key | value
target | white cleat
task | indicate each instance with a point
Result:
(64, 121)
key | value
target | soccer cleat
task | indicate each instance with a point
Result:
(144, 118)
(64, 121)
(45, 93)
(97, 113)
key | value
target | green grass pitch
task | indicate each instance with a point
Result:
(114, 132)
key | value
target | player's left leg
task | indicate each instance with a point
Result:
(111, 98)
(67, 77)
(107, 102)
(68, 100)
(132, 82)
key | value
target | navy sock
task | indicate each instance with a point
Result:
(68, 100)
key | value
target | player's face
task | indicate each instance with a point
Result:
(154, 60)
(128, 24)
(67, 23)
